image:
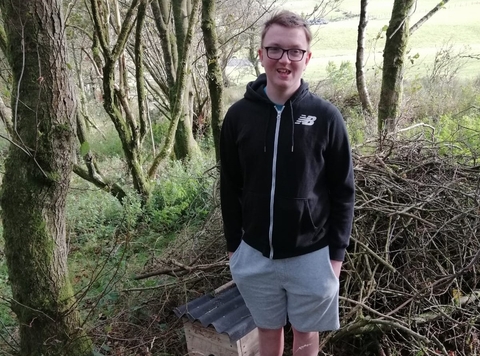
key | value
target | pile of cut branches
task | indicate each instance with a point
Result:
(410, 283)
(411, 279)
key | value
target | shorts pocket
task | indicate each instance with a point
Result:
(234, 258)
(328, 264)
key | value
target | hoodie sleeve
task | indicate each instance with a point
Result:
(231, 183)
(341, 187)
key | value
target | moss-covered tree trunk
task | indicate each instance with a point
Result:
(176, 52)
(130, 128)
(214, 75)
(393, 65)
(185, 144)
(36, 180)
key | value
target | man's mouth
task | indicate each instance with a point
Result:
(283, 71)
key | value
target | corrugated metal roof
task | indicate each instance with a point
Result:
(225, 311)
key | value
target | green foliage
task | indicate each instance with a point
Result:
(106, 143)
(110, 243)
(160, 130)
(460, 135)
(107, 147)
(182, 194)
(339, 86)
(340, 78)
(441, 91)
(84, 148)
(356, 126)
(92, 213)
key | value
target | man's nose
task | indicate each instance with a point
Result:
(284, 58)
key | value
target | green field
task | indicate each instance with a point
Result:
(456, 25)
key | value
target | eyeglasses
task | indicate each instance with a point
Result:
(295, 55)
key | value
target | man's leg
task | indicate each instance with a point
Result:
(305, 344)
(271, 342)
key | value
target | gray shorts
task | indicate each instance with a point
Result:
(303, 289)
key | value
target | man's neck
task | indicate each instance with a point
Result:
(279, 97)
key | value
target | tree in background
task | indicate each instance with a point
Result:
(393, 65)
(36, 180)
(109, 55)
(142, 54)
(214, 75)
(367, 106)
(176, 23)
(398, 34)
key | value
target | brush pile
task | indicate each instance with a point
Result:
(411, 280)
(410, 283)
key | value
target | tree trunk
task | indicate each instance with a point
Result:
(179, 88)
(115, 99)
(36, 180)
(185, 144)
(214, 75)
(393, 61)
(252, 53)
(360, 74)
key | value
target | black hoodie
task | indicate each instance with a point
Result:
(287, 185)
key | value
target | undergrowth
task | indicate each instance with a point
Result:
(111, 244)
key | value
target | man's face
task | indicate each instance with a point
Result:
(284, 74)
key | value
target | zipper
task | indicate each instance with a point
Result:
(274, 173)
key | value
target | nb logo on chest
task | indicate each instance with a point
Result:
(305, 120)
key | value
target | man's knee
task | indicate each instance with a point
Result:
(270, 341)
(270, 334)
(305, 343)
(305, 335)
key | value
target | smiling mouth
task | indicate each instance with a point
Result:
(284, 71)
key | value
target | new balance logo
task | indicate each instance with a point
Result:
(305, 120)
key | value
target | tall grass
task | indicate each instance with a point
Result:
(110, 243)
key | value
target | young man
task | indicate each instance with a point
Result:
(287, 194)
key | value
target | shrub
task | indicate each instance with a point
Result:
(340, 82)
(460, 136)
(183, 193)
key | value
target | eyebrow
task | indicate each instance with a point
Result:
(279, 46)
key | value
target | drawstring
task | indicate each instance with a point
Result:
(293, 126)
(292, 136)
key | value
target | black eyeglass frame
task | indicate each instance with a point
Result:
(283, 52)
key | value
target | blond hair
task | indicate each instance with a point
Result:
(287, 19)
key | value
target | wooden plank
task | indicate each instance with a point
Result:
(203, 341)
(248, 345)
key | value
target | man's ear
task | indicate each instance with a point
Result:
(309, 55)
(260, 55)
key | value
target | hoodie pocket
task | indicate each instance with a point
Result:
(293, 220)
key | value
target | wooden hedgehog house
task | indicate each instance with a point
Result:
(219, 324)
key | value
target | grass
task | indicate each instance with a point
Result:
(336, 42)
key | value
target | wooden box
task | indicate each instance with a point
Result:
(206, 341)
